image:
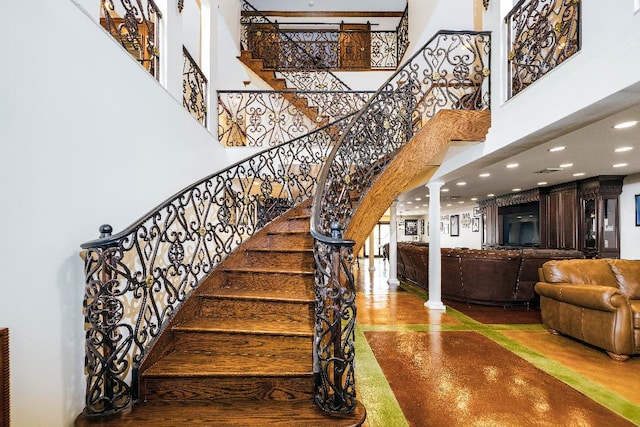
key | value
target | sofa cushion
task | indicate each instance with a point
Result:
(635, 312)
(579, 271)
(628, 276)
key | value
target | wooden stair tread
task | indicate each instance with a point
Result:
(267, 270)
(244, 326)
(296, 232)
(185, 364)
(258, 294)
(279, 250)
(295, 413)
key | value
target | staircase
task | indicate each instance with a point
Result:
(279, 84)
(239, 352)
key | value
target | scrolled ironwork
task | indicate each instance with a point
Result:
(134, 24)
(449, 72)
(541, 35)
(194, 88)
(269, 118)
(137, 279)
(325, 49)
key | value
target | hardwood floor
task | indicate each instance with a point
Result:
(479, 365)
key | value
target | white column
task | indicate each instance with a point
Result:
(393, 245)
(435, 276)
(372, 252)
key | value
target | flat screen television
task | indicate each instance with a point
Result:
(520, 225)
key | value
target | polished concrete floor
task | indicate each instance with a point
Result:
(479, 366)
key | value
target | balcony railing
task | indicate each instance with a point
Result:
(269, 118)
(135, 26)
(194, 88)
(541, 35)
(332, 49)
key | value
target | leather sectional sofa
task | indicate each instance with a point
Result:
(595, 300)
(494, 277)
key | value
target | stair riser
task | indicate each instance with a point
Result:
(292, 241)
(270, 281)
(294, 261)
(228, 388)
(229, 344)
(294, 224)
(250, 309)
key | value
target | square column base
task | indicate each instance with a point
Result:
(435, 305)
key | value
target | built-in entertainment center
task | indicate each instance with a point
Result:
(581, 215)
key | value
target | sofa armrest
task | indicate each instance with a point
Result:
(604, 298)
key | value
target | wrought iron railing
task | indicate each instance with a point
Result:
(134, 24)
(194, 88)
(278, 51)
(269, 118)
(541, 35)
(449, 72)
(331, 49)
(137, 279)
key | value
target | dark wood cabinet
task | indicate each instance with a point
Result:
(559, 217)
(599, 231)
(582, 215)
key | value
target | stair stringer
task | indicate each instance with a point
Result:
(412, 161)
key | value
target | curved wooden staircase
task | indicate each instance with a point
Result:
(239, 351)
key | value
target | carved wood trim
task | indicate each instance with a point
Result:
(527, 196)
(4, 377)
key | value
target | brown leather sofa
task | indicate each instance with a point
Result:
(594, 300)
(493, 277)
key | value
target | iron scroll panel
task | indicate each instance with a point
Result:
(194, 88)
(449, 72)
(269, 118)
(137, 279)
(542, 34)
(134, 24)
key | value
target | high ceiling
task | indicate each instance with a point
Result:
(590, 142)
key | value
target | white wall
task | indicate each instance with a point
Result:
(88, 137)
(467, 237)
(428, 17)
(629, 232)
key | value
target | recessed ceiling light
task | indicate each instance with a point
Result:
(428, 195)
(417, 199)
(474, 199)
(461, 183)
(461, 202)
(490, 195)
(620, 165)
(542, 183)
(558, 148)
(484, 175)
(579, 174)
(625, 125)
(512, 165)
(516, 189)
(448, 204)
(623, 149)
(445, 190)
(425, 205)
(566, 165)
(409, 203)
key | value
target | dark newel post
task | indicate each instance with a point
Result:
(338, 366)
(108, 346)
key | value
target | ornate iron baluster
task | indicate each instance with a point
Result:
(259, 118)
(137, 279)
(135, 27)
(194, 88)
(542, 34)
(451, 72)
